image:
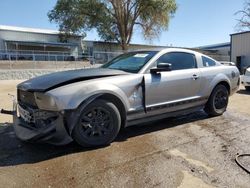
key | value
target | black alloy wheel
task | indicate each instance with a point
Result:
(221, 99)
(98, 125)
(96, 122)
(218, 101)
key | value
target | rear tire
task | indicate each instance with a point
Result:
(247, 88)
(98, 125)
(218, 101)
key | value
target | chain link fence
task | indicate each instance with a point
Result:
(24, 59)
(20, 59)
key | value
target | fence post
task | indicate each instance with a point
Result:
(10, 64)
(33, 53)
(56, 63)
(9, 57)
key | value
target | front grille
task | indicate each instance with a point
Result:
(35, 118)
(27, 98)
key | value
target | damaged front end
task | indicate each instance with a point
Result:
(33, 124)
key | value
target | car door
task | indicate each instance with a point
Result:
(176, 89)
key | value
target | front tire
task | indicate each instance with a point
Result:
(218, 101)
(98, 125)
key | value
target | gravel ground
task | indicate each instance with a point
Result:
(22, 74)
(25, 74)
(19, 65)
(21, 70)
(188, 151)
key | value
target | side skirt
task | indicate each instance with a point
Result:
(147, 118)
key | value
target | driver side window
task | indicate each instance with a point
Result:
(179, 60)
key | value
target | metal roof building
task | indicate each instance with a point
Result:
(20, 43)
(36, 42)
(240, 50)
(222, 50)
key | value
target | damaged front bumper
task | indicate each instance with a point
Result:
(40, 126)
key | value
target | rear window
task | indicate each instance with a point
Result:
(207, 62)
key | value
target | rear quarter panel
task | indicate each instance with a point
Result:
(211, 76)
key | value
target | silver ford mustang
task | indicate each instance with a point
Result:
(90, 106)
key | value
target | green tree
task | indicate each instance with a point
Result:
(114, 20)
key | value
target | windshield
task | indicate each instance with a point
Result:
(130, 62)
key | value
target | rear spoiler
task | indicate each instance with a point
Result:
(227, 63)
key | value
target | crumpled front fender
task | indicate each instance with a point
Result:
(70, 97)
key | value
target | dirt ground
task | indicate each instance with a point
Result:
(188, 151)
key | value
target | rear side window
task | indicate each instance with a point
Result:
(208, 62)
(179, 60)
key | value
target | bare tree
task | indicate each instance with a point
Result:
(244, 20)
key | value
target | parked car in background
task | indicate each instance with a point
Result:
(246, 79)
(90, 106)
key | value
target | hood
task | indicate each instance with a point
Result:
(51, 81)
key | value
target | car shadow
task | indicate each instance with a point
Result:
(15, 152)
(154, 126)
(243, 92)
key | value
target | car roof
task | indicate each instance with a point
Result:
(168, 50)
(165, 50)
(178, 50)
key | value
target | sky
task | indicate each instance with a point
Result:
(195, 23)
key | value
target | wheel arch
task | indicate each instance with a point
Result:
(118, 103)
(224, 83)
(217, 80)
(72, 116)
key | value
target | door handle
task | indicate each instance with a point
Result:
(195, 77)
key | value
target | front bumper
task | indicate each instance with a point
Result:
(53, 132)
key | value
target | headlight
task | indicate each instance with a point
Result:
(45, 102)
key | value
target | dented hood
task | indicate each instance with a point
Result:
(51, 81)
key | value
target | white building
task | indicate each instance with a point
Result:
(240, 50)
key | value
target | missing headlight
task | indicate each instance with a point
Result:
(45, 102)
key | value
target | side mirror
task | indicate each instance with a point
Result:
(161, 67)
